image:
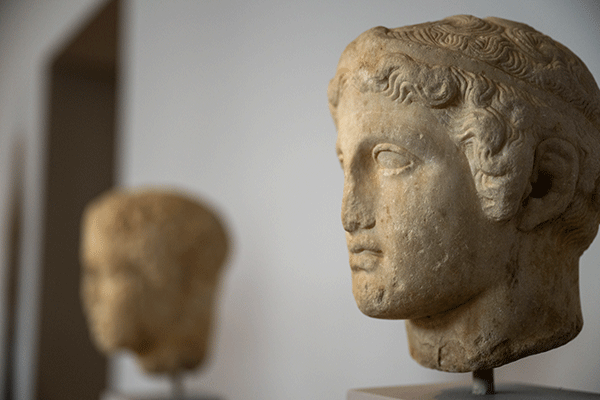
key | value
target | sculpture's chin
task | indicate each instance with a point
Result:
(105, 346)
(110, 336)
(105, 337)
(392, 303)
(381, 311)
(374, 312)
(380, 305)
(110, 342)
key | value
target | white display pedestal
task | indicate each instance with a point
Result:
(456, 391)
(110, 395)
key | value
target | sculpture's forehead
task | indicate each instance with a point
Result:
(366, 118)
(101, 251)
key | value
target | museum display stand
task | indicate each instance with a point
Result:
(177, 393)
(483, 385)
(108, 395)
(447, 391)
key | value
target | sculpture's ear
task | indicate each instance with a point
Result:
(553, 182)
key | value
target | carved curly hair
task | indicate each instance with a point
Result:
(505, 88)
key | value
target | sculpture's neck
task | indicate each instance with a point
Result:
(534, 309)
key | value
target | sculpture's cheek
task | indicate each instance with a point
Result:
(429, 230)
(113, 318)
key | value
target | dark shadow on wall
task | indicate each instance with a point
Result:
(80, 165)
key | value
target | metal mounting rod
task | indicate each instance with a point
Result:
(177, 386)
(483, 381)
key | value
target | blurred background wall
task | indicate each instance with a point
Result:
(228, 100)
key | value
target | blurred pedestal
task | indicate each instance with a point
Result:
(454, 391)
(109, 395)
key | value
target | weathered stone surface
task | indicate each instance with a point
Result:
(471, 157)
(150, 263)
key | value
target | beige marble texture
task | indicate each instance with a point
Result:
(471, 157)
(150, 267)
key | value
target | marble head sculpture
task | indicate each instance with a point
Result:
(150, 262)
(471, 157)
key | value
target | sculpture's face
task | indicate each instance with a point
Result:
(418, 241)
(125, 306)
(111, 293)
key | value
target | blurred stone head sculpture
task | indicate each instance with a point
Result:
(150, 263)
(471, 157)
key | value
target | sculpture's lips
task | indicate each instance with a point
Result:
(362, 248)
(363, 256)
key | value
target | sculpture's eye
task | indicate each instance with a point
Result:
(392, 159)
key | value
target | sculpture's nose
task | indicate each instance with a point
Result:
(356, 207)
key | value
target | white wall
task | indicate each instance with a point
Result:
(228, 100)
